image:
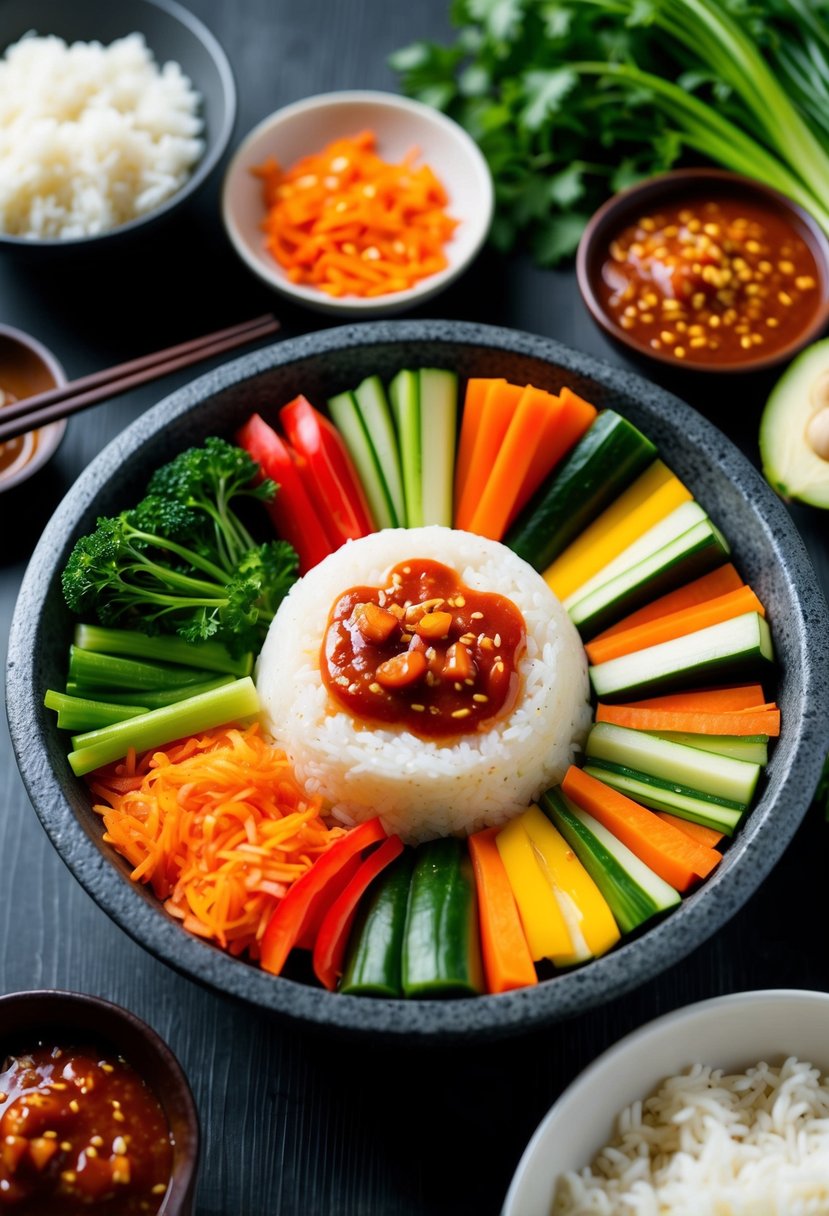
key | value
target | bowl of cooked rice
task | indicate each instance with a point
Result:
(720, 1106)
(112, 116)
(418, 691)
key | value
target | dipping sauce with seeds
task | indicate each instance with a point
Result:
(424, 651)
(712, 281)
(80, 1131)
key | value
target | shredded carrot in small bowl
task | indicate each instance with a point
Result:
(348, 223)
(218, 826)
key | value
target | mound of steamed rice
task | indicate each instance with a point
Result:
(423, 788)
(90, 136)
(742, 1144)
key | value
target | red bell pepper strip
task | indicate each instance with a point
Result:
(292, 510)
(286, 926)
(332, 938)
(322, 901)
(330, 470)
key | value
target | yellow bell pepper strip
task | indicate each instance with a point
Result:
(653, 495)
(544, 925)
(586, 911)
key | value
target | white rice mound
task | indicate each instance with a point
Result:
(423, 788)
(90, 136)
(744, 1144)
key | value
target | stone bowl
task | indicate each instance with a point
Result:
(766, 548)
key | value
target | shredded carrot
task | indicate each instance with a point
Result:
(350, 223)
(219, 828)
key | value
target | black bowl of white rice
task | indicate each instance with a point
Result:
(111, 117)
(766, 548)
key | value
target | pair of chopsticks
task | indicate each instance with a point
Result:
(32, 412)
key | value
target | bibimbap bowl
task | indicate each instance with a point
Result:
(764, 547)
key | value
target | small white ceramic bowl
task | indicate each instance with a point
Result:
(732, 1032)
(400, 125)
(26, 368)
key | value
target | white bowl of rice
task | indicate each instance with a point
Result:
(110, 116)
(720, 1107)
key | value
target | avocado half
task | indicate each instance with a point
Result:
(794, 429)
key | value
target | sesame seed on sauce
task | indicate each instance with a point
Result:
(705, 281)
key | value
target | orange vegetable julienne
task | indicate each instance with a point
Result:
(349, 223)
(706, 700)
(671, 854)
(530, 417)
(496, 414)
(506, 955)
(473, 405)
(563, 428)
(699, 832)
(766, 721)
(674, 625)
(709, 586)
(219, 828)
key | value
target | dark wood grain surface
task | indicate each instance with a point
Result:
(295, 1124)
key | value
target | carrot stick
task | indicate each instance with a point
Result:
(512, 461)
(674, 625)
(709, 837)
(706, 700)
(496, 415)
(473, 407)
(558, 435)
(718, 582)
(670, 853)
(506, 955)
(738, 722)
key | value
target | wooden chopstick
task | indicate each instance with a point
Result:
(68, 399)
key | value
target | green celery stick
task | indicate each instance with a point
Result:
(106, 670)
(162, 648)
(147, 698)
(81, 713)
(230, 703)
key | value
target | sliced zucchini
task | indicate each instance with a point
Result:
(438, 431)
(404, 394)
(703, 772)
(379, 426)
(682, 560)
(664, 796)
(675, 524)
(633, 891)
(730, 650)
(754, 748)
(604, 462)
(346, 414)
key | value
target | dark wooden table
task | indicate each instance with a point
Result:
(295, 1124)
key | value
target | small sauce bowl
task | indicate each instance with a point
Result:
(76, 1020)
(706, 271)
(26, 368)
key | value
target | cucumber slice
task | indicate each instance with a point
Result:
(633, 891)
(344, 411)
(754, 748)
(607, 458)
(681, 561)
(704, 772)
(379, 426)
(731, 650)
(373, 961)
(438, 430)
(683, 517)
(441, 954)
(404, 394)
(662, 796)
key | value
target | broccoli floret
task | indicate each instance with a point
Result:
(208, 479)
(181, 561)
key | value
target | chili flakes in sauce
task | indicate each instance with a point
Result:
(711, 282)
(425, 652)
(80, 1132)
